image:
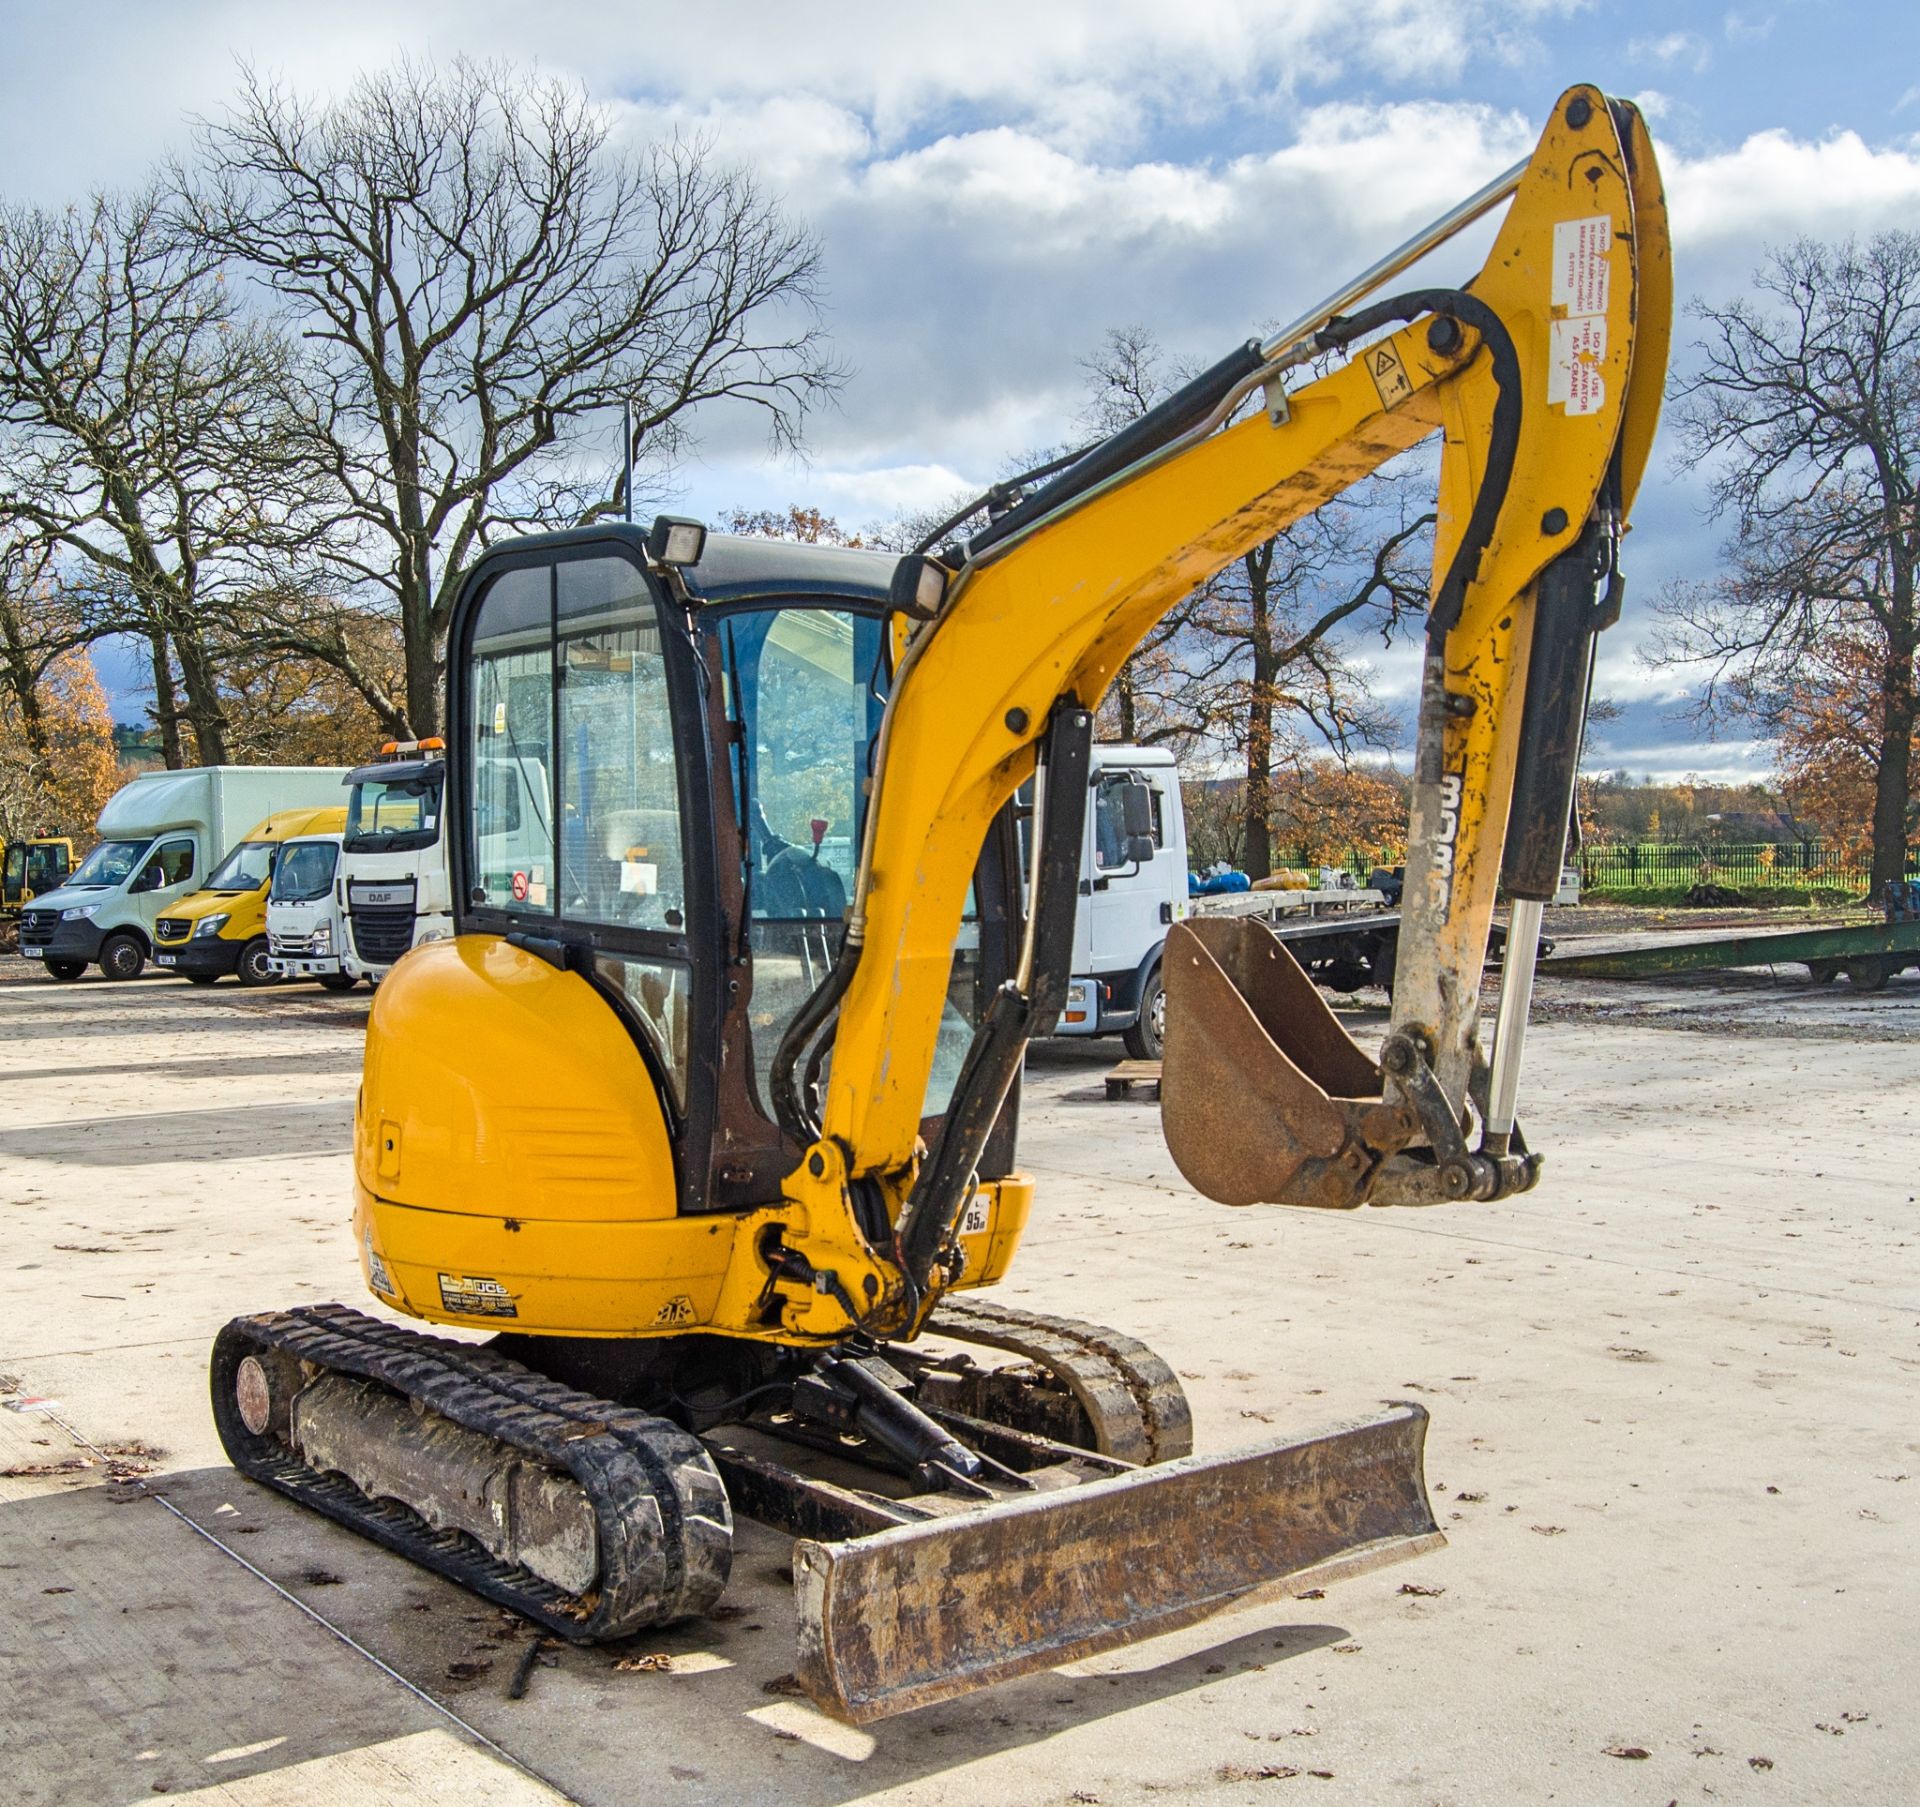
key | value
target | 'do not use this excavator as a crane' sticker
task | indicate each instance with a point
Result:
(707, 1114)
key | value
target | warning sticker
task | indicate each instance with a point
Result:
(1575, 354)
(474, 1297)
(1389, 375)
(977, 1216)
(1582, 259)
(677, 1310)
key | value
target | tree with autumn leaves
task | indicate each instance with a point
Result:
(1805, 409)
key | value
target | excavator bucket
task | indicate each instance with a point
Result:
(916, 1614)
(1264, 1096)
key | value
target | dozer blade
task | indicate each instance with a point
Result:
(1264, 1096)
(920, 1613)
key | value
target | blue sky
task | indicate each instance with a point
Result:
(995, 186)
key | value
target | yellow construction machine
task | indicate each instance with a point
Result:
(707, 1114)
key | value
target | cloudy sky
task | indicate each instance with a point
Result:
(996, 185)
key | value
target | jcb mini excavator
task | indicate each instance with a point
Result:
(707, 1114)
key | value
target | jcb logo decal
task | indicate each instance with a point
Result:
(1451, 786)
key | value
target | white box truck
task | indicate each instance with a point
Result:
(160, 838)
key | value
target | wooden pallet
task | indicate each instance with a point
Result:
(1130, 1073)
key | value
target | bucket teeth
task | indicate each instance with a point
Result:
(1264, 1097)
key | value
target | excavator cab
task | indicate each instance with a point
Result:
(706, 1115)
(665, 777)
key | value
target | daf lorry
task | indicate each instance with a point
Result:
(393, 855)
(393, 859)
(222, 928)
(161, 836)
(306, 913)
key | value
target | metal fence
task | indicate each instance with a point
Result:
(1662, 865)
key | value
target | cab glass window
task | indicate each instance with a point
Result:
(511, 725)
(1110, 820)
(175, 860)
(305, 872)
(246, 868)
(808, 686)
(109, 865)
(395, 815)
(621, 861)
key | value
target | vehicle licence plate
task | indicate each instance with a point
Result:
(164, 959)
(33, 953)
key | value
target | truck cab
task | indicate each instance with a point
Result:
(306, 913)
(1133, 888)
(222, 928)
(393, 857)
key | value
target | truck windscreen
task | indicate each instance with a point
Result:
(246, 868)
(305, 872)
(393, 815)
(107, 865)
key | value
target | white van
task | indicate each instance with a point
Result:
(160, 838)
(306, 913)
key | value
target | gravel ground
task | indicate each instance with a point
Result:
(1671, 1448)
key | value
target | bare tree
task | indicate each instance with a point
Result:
(1275, 627)
(141, 427)
(1806, 409)
(477, 272)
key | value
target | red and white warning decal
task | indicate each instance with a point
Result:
(1576, 351)
(519, 887)
(1582, 264)
(1577, 341)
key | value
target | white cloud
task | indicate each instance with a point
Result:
(1682, 49)
(1741, 28)
(1774, 186)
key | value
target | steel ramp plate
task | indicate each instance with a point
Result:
(923, 1612)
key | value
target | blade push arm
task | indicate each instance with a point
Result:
(1543, 379)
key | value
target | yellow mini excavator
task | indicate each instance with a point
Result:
(706, 1116)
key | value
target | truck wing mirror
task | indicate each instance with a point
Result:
(1136, 803)
(1140, 848)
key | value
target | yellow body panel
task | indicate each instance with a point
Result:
(246, 911)
(512, 1169)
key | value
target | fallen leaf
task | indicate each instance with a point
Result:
(1267, 1772)
(657, 1663)
(1312, 1593)
(56, 1590)
(1344, 1649)
(320, 1578)
(1470, 1498)
(1759, 1762)
(466, 1672)
(1548, 1530)
(1424, 1593)
(1634, 1751)
(784, 1684)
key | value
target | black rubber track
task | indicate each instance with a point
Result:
(665, 1528)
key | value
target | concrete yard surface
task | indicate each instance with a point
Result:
(1673, 1449)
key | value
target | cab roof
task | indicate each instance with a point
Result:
(746, 568)
(285, 824)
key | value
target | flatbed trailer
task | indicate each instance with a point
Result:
(1869, 954)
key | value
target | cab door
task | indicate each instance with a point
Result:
(1127, 902)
